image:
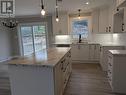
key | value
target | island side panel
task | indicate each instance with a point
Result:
(31, 80)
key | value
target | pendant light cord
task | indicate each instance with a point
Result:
(42, 2)
(56, 9)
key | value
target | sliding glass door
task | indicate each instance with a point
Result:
(33, 38)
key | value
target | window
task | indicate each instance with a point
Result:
(79, 26)
(33, 38)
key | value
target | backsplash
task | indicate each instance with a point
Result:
(116, 38)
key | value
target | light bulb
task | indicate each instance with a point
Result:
(79, 17)
(57, 19)
(87, 3)
(43, 12)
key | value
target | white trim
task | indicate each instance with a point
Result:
(31, 24)
(82, 18)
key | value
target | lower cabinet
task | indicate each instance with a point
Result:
(80, 52)
(85, 52)
(94, 52)
(116, 71)
(62, 73)
(104, 54)
(41, 79)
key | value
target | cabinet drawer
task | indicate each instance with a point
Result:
(110, 81)
(109, 74)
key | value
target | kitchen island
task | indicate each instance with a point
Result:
(116, 70)
(43, 73)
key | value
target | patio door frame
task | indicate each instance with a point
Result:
(31, 25)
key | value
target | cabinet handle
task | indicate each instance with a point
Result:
(62, 68)
(109, 28)
(117, 9)
(100, 49)
(122, 26)
(110, 57)
(110, 64)
(109, 71)
(66, 67)
(106, 29)
(63, 61)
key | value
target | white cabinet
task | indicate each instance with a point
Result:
(85, 52)
(80, 52)
(37, 79)
(104, 53)
(103, 20)
(94, 53)
(119, 21)
(120, 3)
(62, 73)
(124, 27)
(116, 70)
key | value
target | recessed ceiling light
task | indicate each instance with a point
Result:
(87, 3)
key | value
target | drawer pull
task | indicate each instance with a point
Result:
(110, 64)
(109, 71)
(110, 57)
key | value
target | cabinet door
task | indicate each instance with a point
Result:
(119, 3)
(75, 52)
(80, 52)
(91, 52)
(58, 79)
(84, 52)
(97, 52)
(124, 27)
(94, 52)
(103, 20)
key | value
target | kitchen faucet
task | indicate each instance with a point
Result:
(80, 38)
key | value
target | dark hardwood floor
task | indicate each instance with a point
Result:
(86, 79)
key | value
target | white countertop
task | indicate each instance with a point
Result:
(48, 57)
(118, 52)
(110, 44)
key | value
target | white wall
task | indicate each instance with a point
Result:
(110, 38)
(5, 49)
(104, 38)
(5, 45)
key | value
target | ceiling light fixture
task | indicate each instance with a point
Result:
(79, 13)
(42, 6)
(10, 22)
(57, 17)
(87, 3)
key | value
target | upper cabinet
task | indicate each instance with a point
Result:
(118, 25)
(102, 20)
(119, 16)
(120, 3)
(61, 27)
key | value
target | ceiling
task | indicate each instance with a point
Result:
(33, 7)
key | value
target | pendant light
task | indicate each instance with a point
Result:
(79, 13)
(10, 22)
(42, 6)
(57, 17)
